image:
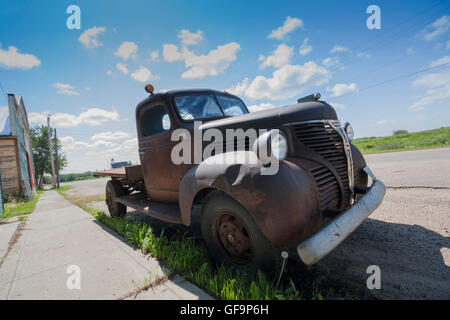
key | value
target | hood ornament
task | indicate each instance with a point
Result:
(310, 98)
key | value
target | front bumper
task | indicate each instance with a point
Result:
(329, 237)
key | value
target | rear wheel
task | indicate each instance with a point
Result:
(234, 239)
(114, 190)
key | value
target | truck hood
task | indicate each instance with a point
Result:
(270, 118)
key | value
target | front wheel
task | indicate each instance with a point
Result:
(234, 239)
(115, 190)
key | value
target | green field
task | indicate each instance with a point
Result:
(403, 140)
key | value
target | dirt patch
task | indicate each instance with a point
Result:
(13, 240)
(146, 286)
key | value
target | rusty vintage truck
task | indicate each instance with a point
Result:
(318, 196)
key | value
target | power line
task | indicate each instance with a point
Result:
(393, 79)
(397, 33)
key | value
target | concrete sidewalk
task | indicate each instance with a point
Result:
(58, 235)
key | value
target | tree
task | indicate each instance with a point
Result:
(41, 152)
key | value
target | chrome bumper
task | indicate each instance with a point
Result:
(329, 237)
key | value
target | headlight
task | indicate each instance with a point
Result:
(279, 146)
(349, 131)
(271, 146)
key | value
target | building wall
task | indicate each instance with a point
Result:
(18, 121)
(9, 165)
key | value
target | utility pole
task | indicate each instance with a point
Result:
(57, 161)
(51, 152)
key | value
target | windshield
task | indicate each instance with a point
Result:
(193, 107)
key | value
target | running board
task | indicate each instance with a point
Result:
(167, 212)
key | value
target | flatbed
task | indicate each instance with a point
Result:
(118, 173)
(130, 174)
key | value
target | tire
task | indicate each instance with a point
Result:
(114, 190)
(244, 247)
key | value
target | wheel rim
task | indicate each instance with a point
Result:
(233, 237)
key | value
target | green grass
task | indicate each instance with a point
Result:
(62, 189)
(12, 209)
(187, 256)
(402, 140)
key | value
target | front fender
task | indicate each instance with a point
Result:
(283, 205)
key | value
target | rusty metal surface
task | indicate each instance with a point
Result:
(288, 206)
(285, 206)
(134, 173)
(167, 212)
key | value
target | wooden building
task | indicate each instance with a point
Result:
(16, 156)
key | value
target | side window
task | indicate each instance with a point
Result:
(155, 120)
(231, 106)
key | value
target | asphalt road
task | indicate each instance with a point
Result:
(407, 236)
(429, 168)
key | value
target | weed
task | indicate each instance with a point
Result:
(19, 208)
(187, 256)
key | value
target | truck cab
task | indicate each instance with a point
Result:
(267, 181)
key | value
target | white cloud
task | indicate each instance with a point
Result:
(127, 49)
(171, 53)
(109, 72)
(154, 55)
(364, 55)
(200, 66)
(290, 24)
(110, 136)
(441, 61)
(338, 106)
(89, 37)
(305, 48)
(338, 48)
(330, 61)
(260, 107)
(143, 75)
(438, 85)
(285, 83)
(281, 56)
(122, 67)
(381, 122)
(435, 29)
(97, 154)
(91, 117)
(190, 38)
(64, 88)
(240, 88)
(340, 89)
(410, 51)
(11, 58)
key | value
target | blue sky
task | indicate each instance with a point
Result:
(268, 52)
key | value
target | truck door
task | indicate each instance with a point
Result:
(161, 176)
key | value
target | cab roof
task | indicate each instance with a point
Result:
(167, 95)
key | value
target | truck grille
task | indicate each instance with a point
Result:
(324, 140)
